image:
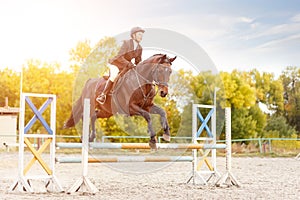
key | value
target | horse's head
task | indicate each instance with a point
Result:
(161, 72)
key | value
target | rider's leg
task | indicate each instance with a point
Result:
(113, 74)
(102, 97)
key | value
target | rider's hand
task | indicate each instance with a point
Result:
(131, 66)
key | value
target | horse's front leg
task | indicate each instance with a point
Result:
(163, 120)
(139, 111)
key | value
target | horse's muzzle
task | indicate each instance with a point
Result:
(163, 93)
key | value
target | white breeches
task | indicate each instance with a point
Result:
(114, 71)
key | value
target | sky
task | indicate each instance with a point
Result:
(235, 34)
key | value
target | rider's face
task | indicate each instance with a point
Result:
(138, 36)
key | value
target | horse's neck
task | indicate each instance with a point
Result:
(146, 71)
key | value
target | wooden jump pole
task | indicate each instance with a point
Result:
(112, 159)
(141, 146)
(83, 181)
(228, 179)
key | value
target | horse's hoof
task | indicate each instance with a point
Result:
(166, 137)
(152, 145)
(65, 126)
(92, 137)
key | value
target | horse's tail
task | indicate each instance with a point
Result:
(76, 114)
(77, 110)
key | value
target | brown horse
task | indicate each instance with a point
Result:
(133, 94)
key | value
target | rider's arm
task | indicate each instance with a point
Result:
(120, 57)
(138, 59)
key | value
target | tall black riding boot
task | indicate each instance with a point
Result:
(102, 97)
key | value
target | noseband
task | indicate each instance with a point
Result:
(155, 74)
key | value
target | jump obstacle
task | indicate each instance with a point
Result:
(228, 179)
(23, 181)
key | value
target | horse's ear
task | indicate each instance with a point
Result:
(163, 58)
(172, 59)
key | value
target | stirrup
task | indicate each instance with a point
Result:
(101, 98)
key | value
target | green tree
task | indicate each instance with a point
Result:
(269, 91)
(180, 88)
(247, 122)
(242, 124)
(10, 87)
(48, 78)
(260, 120)
(237, 92)
(191, 88)
(279, 124)
(291, 84)
(91, 62)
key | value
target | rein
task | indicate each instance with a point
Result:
(154, 82)
(147, 82)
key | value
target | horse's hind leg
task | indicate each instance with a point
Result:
(92, 135)
(163, 120)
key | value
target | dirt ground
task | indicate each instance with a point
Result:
(260, 178)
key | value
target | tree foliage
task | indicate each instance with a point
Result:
(268, 90)
(244, 92)
(10, 87)
(91, 62)
(279, 124)
(237, 92)
(291, 84)
(48, 78)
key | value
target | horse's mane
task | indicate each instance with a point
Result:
(153, 59)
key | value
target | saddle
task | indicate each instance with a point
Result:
(124, 86)
(99, 87)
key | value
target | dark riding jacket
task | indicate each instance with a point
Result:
(126, 54)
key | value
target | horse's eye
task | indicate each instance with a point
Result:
(168, 70)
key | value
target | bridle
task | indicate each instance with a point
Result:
(155, 81)
(138, 76)
(155, 74)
